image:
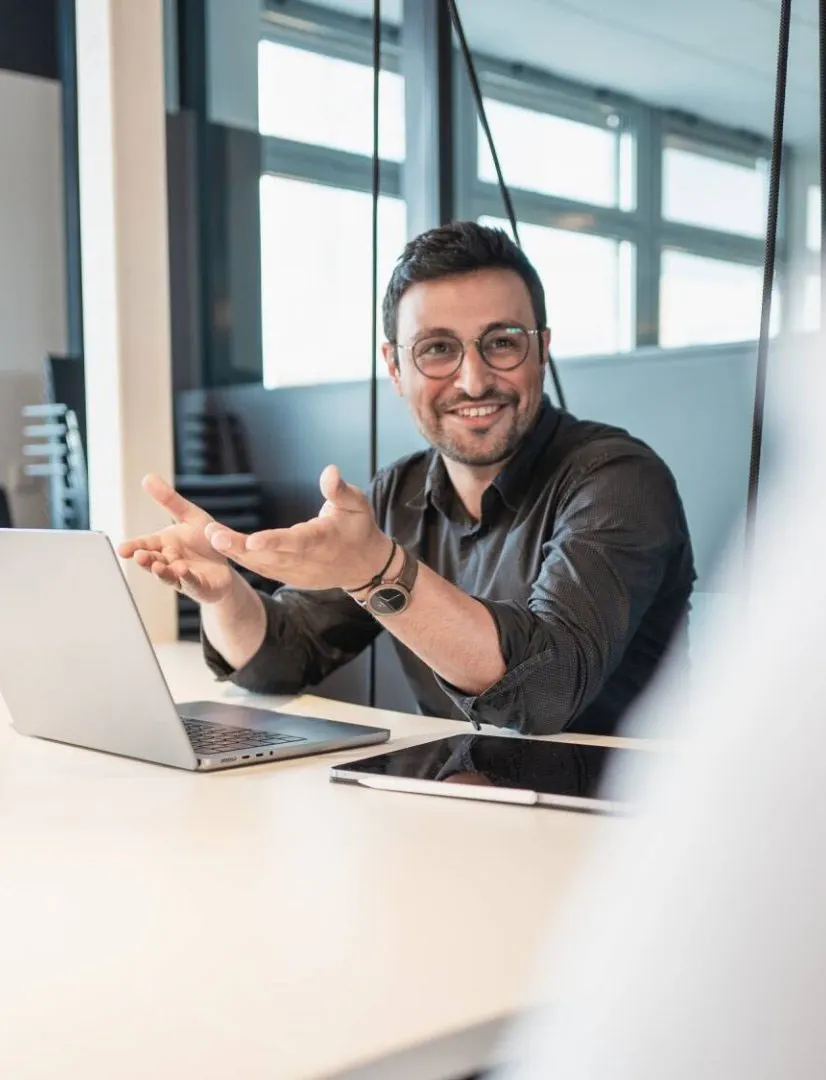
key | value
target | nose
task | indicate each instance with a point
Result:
(474, 376)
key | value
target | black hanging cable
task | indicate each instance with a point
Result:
(483, 119)
(503, 188)
(374, 283)
(822, 60)
(768, 272)
(374, 286)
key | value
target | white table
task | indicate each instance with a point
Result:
(262, 922)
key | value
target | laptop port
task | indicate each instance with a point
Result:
(245, 757)
(259, 755)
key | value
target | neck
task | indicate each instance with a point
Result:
(470, 482)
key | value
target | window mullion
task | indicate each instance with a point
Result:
(556, 212)
(649, 237)
(324, 165)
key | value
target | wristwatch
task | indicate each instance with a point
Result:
(392, 596)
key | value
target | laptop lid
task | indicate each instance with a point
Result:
(76, 664)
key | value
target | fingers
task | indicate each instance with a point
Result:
(157, 562)
(147, 558)
(281, 540)
(177, 574)
(167, 497)
(264, 552)
(142, 543)
(226, 541)
(164, 573)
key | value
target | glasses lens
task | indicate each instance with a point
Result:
(437, 357)
(505, 347)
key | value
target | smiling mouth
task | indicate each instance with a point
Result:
(478, 412)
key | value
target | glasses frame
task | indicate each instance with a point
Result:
(477, 341)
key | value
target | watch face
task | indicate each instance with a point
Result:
(388, 600)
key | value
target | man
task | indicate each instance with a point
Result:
(531, 567)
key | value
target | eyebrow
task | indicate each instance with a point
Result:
(434, 331)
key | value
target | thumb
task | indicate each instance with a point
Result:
(168, 498)
(339, 493)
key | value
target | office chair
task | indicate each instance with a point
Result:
(5, 511)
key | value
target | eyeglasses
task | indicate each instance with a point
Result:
(502, 348)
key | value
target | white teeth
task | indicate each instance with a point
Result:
(486, 410)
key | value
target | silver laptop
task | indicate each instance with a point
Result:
(76, 666)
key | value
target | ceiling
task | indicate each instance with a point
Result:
(715, 58)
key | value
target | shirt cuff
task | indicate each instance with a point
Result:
(496, 704)
(256, 674)
(513, 701)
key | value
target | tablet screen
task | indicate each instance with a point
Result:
(549, 768)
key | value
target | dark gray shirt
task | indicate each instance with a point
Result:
(582, 556)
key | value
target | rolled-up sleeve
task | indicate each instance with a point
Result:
(310, 633)
(615, 531)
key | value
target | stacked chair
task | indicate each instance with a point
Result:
(55, 442)
(5, 511)
(213, 468)
(214, 472)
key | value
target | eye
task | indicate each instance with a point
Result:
(503, 340)
(436, 348)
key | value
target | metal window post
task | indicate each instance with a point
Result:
(427, 64)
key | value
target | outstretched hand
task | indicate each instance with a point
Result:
(342, 547)
(181, 555)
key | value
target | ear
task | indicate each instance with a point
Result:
(545, 339)
(390, 355)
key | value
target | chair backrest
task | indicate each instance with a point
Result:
(66, 385)
(54, 450)
(5, 511)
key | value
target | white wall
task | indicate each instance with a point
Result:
(32, 263)
(125, 274)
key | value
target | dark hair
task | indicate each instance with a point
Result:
(458, 248)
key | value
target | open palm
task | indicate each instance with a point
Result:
(181, 554)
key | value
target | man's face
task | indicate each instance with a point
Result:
(465, 306)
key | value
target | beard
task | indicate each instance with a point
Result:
(489, 445)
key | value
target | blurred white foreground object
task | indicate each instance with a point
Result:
(696, 945)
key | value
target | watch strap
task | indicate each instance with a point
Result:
(376, 579)
(403, 583)
(409, 571)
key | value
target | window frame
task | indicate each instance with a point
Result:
(644, 225)
(307, 26)
(344, 37)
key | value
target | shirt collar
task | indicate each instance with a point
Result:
(435, 485)
(513, 480)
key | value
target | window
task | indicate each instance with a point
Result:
(316, 277)
(706, 301)
(309, 97)
(588, 288)
(813, 224)
(812, 303)
(714, 192)
(555, 156)
(572, 159)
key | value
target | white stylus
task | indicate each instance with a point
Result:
(455, 791)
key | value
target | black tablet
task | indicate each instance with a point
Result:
(495, 768)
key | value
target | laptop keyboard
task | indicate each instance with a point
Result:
(209, 738)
